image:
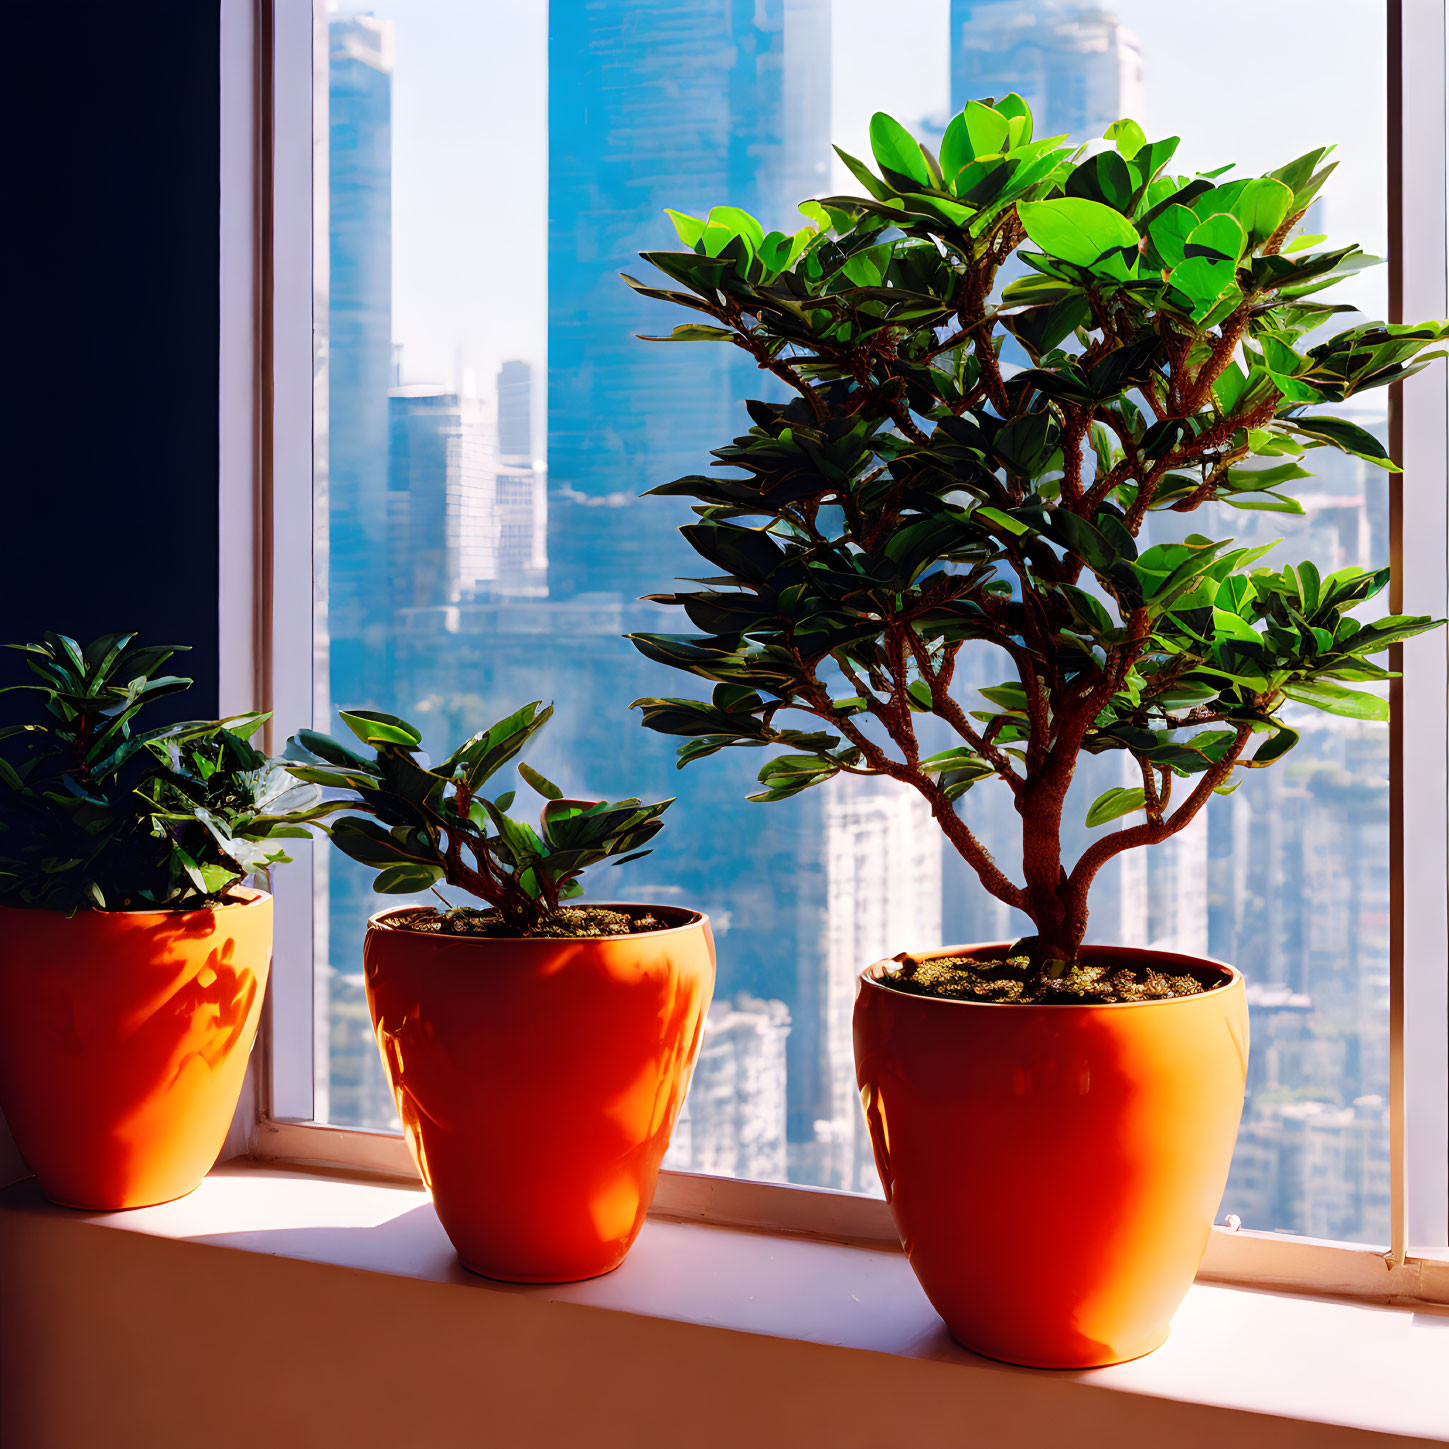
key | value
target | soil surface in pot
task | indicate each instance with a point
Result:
(571, 923)
(1012, 981)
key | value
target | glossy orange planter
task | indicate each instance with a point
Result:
(538, 1081)
(1054, 1171)
(123, 1042)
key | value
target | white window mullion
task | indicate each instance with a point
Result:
(1421, 1016)
(297, 371)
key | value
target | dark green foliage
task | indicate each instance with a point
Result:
(422, 824)
(917, 494)
(96, 812)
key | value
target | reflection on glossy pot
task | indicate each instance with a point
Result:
(538, 1081)
(1054, 1171)
(124, 1038)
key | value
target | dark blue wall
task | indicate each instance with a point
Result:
(110, 118)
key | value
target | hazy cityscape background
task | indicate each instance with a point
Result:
(485, 545)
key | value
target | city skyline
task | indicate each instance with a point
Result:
(470, 72)
(488, 546)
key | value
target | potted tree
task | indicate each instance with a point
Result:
(538, 1051)
(133, 959)
(1006, 369)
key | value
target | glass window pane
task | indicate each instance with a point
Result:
(493, 421)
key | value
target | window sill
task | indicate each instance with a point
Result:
(728, 1336)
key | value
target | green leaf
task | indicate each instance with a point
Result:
(324, 747)
(1168, 232)
(489, 750)
(1347, 436)
(374, 728)
(693, 332)
(956, 149)
(369, 843)
(865, 176)
(690, 228)
(1128, 135)
(1082, 232)
(738, 223)
(1000, 519)
(1210, 258)
(544, 786)
(1114, 803)
(1389, 630)
(1261, 207)
(1263, 502)
(1274, 747)
(1219, 238)
(1230, 388)
(986, 131)
(1016, 110)
(1336, 700)
(406, 880)
(894, 148)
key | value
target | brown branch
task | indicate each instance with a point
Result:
(950, 711)
(991, 371)
(955, 829)
(1204, 490)
(1146, 492)
(787, 374)
(901, 416)
(976, 323)
(1274, 244)
(1129, 467)
(1096, 856)
(1149, 791)
(1216, 362)
(1164, 791)
(1073, 448)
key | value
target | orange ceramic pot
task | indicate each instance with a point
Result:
(538, 1081)
(124, 1038)
(1054, 1171)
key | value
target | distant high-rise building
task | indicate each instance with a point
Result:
(522, 487)
(361, 517)
(1313, 1168)
(522, 506)
(442, 458)
(359, 326)
(1177, 896)
(733, 1123)
(1077, 66)
(882, 874)
(690, 105)
(516, 443)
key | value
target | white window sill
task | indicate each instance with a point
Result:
(709, 1334)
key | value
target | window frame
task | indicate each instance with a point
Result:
(274, 391)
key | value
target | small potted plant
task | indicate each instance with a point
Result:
(133, 959)
(975, 457)
(538, 1052)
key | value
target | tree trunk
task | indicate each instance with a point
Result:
(1060, 919)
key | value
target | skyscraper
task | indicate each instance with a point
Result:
(516, 442)
(733, 1121)
(522, 487)
(359, 326)
(442, 495)
(689, 105)
(360, 518)
(882, 875)
(1077, 66)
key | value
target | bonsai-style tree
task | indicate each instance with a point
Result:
(98, 813)
(919, 492)
(417, 824)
